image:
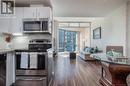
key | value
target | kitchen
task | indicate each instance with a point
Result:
(26, 40)
(29, 41)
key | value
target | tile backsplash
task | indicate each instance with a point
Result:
(21, 42)
(3, 43)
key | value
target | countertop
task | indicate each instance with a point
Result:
(3, 51)
(27, 50)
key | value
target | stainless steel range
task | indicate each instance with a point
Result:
(34, 61)
(40, 45)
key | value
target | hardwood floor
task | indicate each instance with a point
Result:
(76, 72)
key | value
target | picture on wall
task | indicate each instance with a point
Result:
(97, 33)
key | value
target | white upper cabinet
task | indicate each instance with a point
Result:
(37, 12)
(30, 12)
(14, 24)
(44, 12)
(19, 12)
(17, 24)
(5, 24)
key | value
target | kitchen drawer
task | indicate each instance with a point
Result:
(31, 72)
(31, 81)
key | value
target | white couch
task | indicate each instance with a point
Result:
(86, 56)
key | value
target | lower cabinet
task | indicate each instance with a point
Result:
(2, 70)
(31, 81)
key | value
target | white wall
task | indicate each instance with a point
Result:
(99, 22)
(128, 29)
(55, 36)
(113, 29)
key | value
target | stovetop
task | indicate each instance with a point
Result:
(27, 50)
(39, 45)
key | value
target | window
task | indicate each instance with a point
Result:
(74, 24)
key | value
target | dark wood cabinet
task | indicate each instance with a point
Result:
(114, 74)
(2, 69)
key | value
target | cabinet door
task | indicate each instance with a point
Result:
(17, 24)
(5, 24)
(44, 12)
(19, 12)
(30, 12)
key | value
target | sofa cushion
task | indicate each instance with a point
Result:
(114, 54)
(84, 52)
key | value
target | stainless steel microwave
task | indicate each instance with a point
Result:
(42, 25)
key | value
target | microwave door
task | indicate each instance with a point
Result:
(32, 26)
(44, 25)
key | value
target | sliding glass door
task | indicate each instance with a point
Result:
(67, 40)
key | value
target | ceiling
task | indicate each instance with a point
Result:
(77, 8)
(85, 8)
(77, 19)
(28, 2)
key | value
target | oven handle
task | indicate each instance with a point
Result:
(32, 52)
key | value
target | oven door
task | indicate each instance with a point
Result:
(31, 63)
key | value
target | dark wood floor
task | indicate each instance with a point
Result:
(77, 72)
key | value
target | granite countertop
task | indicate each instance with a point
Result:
(27, 50)
(2, 51)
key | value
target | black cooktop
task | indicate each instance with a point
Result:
(27, 50)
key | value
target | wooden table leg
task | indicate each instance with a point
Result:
(105, 79)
